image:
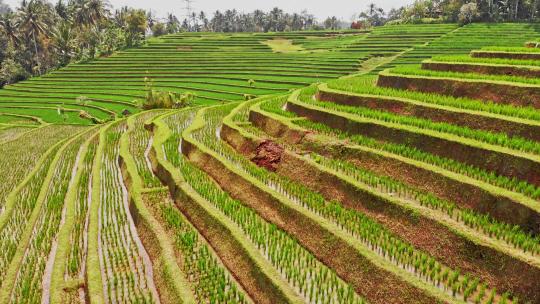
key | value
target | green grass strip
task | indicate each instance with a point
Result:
(497, 79)
(496, 185)
(489, 61)
(175, 278)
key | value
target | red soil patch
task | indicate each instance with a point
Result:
(268, 155)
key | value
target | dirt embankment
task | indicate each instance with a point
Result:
(400, 107)
(481, 69)
(467, 195)
(516, 95)
(375, 284)
(449, 247)
(231, 252)
(150, 242)
(506, 55)
(504, 164)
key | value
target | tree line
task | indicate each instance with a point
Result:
(38, 36)
(452, 11)
(275, 20)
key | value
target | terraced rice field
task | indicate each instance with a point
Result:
(397, 165)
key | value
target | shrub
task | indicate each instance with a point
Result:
(85, 115)
(11, 72)
(467, 13)
(159, 29)
(83, 100)
(62, 112)
(532, 44)
(249, 96)
(165, 100)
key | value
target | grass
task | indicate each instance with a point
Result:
(511, 49)
(129, 278)
(18, 119)
(166, 147)
(433, 162)
(285, 253)
(214, 58)
(504, 181)
(131, 155)
(68, 266)
(474, 220)
(43, 225)
(20, 156)
(11, 132)
(283, 46)
(366, 85)
(417, 71)
(291, 191)
(500, 139)
(496, 61)
(12, 228)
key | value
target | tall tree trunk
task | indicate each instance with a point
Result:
(516, 10)
(36, 52)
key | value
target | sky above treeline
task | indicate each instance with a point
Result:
(343, 9)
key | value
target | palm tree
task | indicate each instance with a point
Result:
(193, 22)
(31, 20)
(296, 22)
(89, 12)
(150, 19)
(173, 25)
(217, 21)
(120, 16)
(258, 18)
(372, 8)
(275, 18)
(204, 21)
(9, 27)
(98, 10)
(64, 42)
(62, 10)
(79, 12)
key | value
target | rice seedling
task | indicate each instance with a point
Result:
(125, 265)
(310, 278)
(20, 156)
(211, 280)
(140, 143)
(32, 273)
(499, 139)
(511, 184)
(372, 234)
(75, 264)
